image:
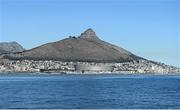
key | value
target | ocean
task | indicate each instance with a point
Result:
(89, 91)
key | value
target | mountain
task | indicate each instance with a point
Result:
(10, 47)
(86, 48)
(3, 51)
(85, 53)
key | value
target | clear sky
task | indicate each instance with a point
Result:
(148, 28)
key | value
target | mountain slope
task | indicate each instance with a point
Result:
(10, 47)
(87, 47)
(3, 51)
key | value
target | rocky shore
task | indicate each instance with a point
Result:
(50, 66)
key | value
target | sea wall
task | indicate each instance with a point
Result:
(96, 68)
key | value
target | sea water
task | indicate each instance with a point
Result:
(89, 91)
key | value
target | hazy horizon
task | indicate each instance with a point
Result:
(147, 28)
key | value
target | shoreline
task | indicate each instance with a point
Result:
(79, 73)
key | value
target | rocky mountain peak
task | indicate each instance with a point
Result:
(89, 34)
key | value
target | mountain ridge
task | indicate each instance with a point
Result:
(87, 47)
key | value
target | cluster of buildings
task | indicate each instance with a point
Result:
(141, 66)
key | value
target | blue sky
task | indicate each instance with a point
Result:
(148, 28)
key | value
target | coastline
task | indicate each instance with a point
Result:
(59, 67)
(86, 73)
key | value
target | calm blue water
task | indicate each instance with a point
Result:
(89, 91)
